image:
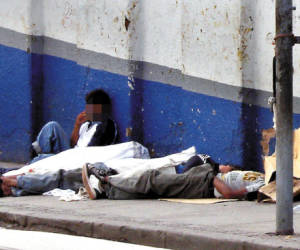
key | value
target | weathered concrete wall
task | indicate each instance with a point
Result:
(180, 72)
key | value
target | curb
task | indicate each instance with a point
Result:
(136, 235)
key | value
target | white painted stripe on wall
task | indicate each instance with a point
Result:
(211, 40)
(60, 20)
(101, 27)
(227, 41)
(15, 15)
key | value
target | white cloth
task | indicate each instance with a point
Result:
(129, 159)
(75, 158)
(68, 194)
(241, 179)
(59, 192)
(86, 133)
(133, 168)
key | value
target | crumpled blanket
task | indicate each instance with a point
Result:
(76, 157)
(131, 169)
(129, 159)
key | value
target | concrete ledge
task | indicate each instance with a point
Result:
(11, 164)
(151, 222)
(142, 236)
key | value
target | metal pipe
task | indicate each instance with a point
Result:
(284, 117)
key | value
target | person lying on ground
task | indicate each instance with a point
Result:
(206, 180)
(197, 181)
(37, 184)
(30, 183)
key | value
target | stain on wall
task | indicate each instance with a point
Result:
(207, 40)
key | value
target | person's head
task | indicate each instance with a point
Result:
(4, 189)
(97, 104)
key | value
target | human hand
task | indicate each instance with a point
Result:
(81, 118)
(254, 187)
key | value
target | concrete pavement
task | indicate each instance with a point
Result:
(230, 225)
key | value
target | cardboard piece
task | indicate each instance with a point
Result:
(269, 190)
(267, 193)
(199, 201)
(270, 161)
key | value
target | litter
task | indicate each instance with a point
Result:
(68, 194)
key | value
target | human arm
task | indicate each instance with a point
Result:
(198, 160)
(81, 118)
(225, 168)
(227, 192)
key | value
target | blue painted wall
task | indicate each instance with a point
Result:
(40, 88)
(15, 106)
(66, 84)
(229, 131)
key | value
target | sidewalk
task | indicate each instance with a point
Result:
(230, 225)
(10, 164)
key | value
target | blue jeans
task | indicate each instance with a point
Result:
(38, 184)
(52, 139)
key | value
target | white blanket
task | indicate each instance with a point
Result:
(134, 167)
(129, 159)
(77, 157)
(130, 170)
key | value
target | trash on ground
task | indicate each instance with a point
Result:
(68, 194)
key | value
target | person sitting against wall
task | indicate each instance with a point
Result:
(93, 127)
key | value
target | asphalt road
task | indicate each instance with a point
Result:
(34, 240)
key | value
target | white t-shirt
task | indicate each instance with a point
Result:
(240, 179)
(86, 133)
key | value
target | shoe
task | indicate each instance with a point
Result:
(92, 185)
(100, 170)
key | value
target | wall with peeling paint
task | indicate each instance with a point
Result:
(236, 36)
(180, 72)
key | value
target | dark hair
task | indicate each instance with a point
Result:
(97, 96)
(1, 191)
